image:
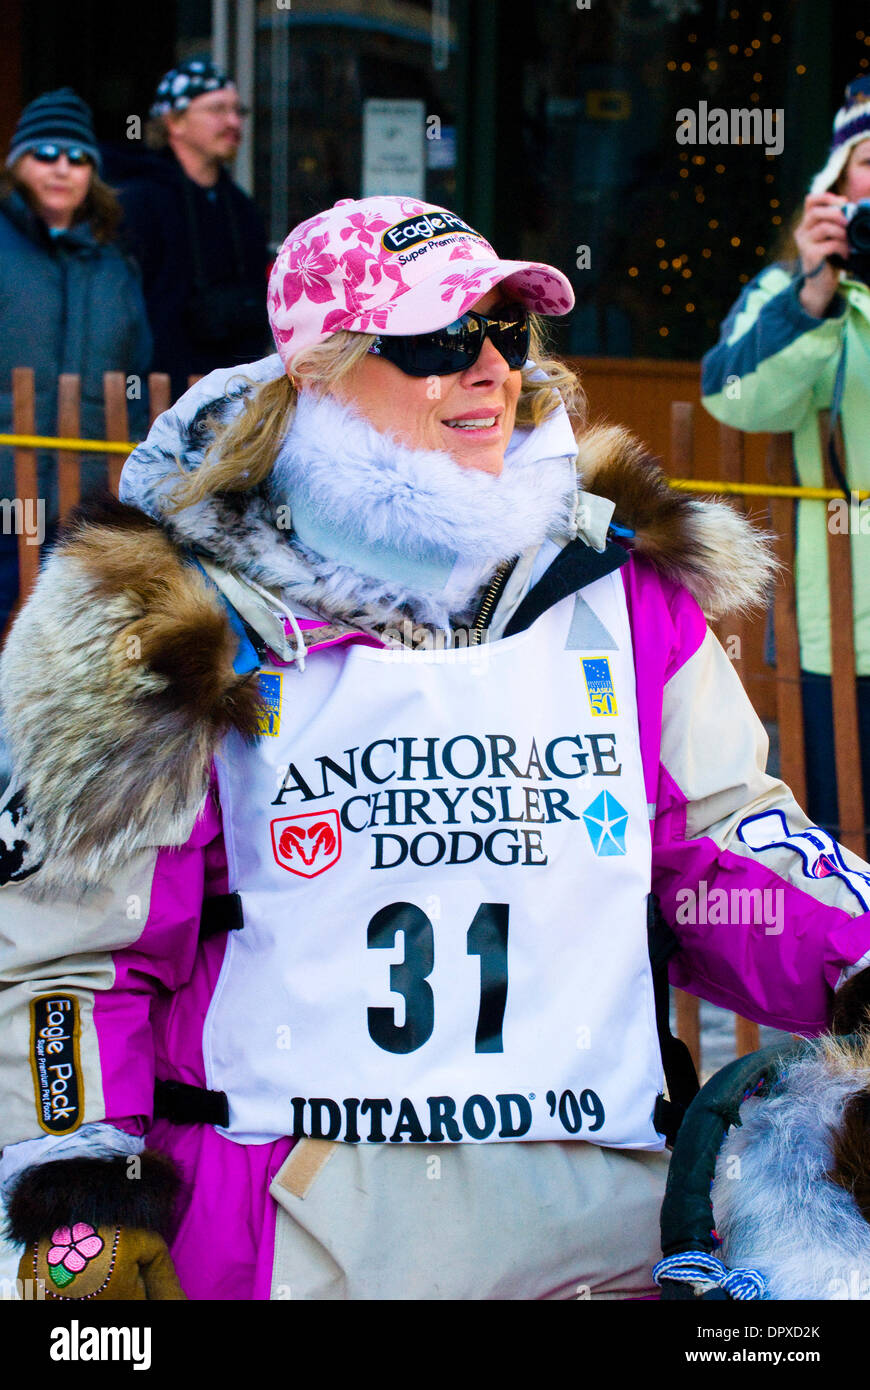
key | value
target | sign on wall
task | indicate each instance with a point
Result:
(394, 148)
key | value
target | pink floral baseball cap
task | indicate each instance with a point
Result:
(392, 265)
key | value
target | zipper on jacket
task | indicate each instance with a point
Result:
(489, 601)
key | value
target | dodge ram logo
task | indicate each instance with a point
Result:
(308, 844)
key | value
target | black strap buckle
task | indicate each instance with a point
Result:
(220, 913)
(182, 1104)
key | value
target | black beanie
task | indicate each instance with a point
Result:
(61, 118)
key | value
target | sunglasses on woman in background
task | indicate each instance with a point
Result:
(50, 154)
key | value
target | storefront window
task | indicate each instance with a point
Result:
(660, 219)
(351, 99)
(553, 127)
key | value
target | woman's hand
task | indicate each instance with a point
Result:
(821, 233)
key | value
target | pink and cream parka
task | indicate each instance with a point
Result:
(125, 688)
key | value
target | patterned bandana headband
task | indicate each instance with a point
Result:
(189, 80)
(392, 266)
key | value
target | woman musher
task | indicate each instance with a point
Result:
(328, 895)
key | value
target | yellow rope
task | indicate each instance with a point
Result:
(102, 446)
(48, 441)
(762, 490)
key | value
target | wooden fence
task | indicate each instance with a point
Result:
(729, 471)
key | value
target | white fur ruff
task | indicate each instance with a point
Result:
(773, 1206)
(381, 491)
(371, 487)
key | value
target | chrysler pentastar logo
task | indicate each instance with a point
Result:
(307, 844)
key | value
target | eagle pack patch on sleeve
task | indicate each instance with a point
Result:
(599, 685)
(55, 1028)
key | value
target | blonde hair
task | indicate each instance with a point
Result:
(241, 453)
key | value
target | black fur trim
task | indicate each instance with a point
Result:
(852, 1004)
(101, 1191)
(104, 509)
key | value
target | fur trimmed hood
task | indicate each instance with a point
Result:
(136, 649)
(705, 545)
(116, 685)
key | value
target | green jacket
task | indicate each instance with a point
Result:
(774, 369)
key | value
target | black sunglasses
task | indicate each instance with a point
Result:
(50, 154)
(458, 346)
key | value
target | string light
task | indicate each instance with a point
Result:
(674, 267)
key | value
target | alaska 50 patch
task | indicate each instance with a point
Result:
(599, 686)
(270, 708)
(55, 1028)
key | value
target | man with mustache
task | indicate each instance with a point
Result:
(198, 237)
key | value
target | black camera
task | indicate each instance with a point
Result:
(858, 237)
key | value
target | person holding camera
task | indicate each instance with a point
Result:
(198, 237)
(795, 344)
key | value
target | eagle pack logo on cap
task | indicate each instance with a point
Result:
(411, 231)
